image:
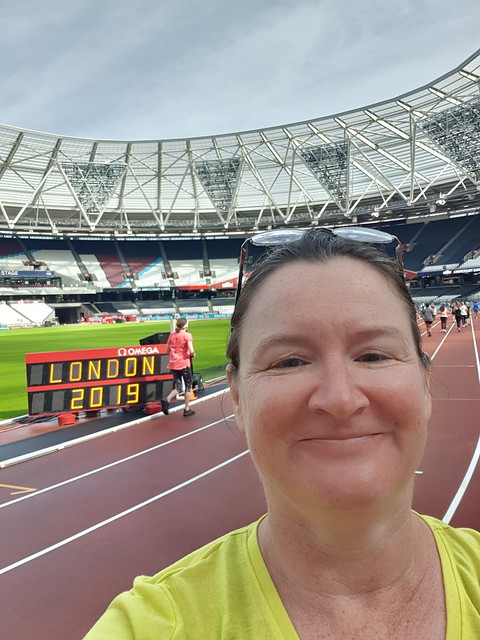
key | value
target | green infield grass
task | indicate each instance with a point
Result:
(209, 336)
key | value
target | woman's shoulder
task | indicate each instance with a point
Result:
(217, 552)
(460, 543)
(187, 597)
(462, 535)
(459, 552)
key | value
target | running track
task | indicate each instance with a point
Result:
(132, 501)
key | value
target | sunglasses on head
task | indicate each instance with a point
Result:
(284, 236)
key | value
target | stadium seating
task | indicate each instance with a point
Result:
(223, 306)
(142, 270)
(12, 256)
(157, 307)
(197, 305)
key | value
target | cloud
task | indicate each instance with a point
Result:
(162, 68)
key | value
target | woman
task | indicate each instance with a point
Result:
(457, 312)
(180, 350)
(334, 402)
(443, 315)
(464, 312)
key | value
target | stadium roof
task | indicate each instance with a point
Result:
(412, 156)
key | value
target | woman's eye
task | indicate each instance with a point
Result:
(289, 363)
(374, 357)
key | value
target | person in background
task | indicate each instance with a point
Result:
(333, 403)
(428, 317)
(443, 315)
(475, 309)
(464, 312)
(457, 313)
(180, 350)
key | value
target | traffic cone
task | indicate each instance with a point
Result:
(192, 394)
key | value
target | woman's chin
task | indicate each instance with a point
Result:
(352, 491)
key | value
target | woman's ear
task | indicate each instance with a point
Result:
(427, 368)
(230, 371)
(427, 372)
(234, 392)
(426, 360)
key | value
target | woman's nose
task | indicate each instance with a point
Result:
(337, 390)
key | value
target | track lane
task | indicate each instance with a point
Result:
(108, 448)
(83, 503)
(92, 569)
(84, 576)
(453, 428)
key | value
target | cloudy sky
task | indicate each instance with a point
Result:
(157, 69)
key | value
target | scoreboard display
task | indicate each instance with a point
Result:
(95, 379)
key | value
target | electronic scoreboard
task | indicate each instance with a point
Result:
(95, 379)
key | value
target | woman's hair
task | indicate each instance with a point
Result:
(317, 246)
(180, 324)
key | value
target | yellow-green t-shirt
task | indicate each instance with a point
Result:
(224, 590)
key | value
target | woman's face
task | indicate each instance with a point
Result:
(330, 392)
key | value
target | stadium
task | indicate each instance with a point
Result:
(124, 232)
(153, 228)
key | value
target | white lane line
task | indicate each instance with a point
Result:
(423, 332)
(418, 472)
(455, 366)
(113, 464)
(477, 360)
(463, 486)
(99, 525)
(98, 434)
(441, 343)
(476, 455)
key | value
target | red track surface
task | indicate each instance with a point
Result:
(62, 560)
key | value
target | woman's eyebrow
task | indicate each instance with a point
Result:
(368, 333)
(283, 340)
(379, 331)
(374, 334)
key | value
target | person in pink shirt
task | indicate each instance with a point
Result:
(180, 349)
